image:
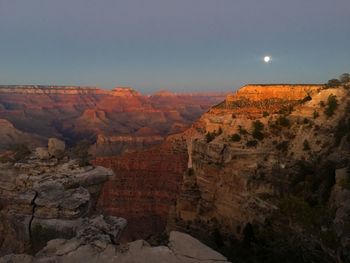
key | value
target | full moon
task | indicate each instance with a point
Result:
(267, 59)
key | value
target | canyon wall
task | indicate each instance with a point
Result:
(256, 92)
(144, 188)
(241, 177)
(113, 121)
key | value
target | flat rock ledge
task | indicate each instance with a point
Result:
(181, 248)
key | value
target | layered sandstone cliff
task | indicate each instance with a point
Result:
(236, 182)
(144, 188)
(256, 92)
(47, 212)
(88, 113)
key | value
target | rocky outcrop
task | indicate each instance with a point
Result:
(42, 199)
(125, 92)
(181, 248)
(256, 92)
(340, 203)
(235, 182)
(55, 147)
(144, 187)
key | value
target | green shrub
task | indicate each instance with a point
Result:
(298, 210)
(282, 146)
(332, 105)
(286, 110)
(332, 83)
(306, 145)
(265, 114)
(306, 121)
(344, 78)
(315, 114)
(283, 121)
(241, 130)
(306, 98)
(252, 143)
(235, 137)
(210, 136)
(258, 127)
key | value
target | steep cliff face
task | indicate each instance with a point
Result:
(256, 92)
(262, 153)
(84, 113)
(144, 187)
(42, 198)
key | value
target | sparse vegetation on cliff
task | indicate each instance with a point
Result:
(307, 98)
(283, 121)
(252, 143)
(286, 110)
(282, 146)
(344, 79)
(333, 83)
(306, 145)
(242, 130)
(257, 129)
(298, 210)
(235, 137)
(332, 105)
(212, 135)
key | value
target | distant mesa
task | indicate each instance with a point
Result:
(125, 92)
(164, 93)
(41, 89)
(256, 92)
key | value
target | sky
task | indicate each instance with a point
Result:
(196, 45)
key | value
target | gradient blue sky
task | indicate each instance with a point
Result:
(172, 44)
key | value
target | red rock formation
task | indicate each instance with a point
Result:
(144, 188)
(78, 113)
(258, 92)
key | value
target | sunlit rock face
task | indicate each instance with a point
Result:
(144, 188)
(124, 118)
(258, 92)
(233, 182)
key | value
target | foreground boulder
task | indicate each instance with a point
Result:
(181, 248)
(42, 200)
(56, 147)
